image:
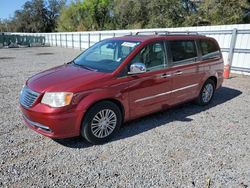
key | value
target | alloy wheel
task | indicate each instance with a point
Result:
(103, 123)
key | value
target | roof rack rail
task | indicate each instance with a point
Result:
(146, 32)
(168, 32)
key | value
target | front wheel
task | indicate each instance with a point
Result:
(101, 122)
(206, 93)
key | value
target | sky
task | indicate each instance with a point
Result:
(8, 7)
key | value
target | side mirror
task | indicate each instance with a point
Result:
(137, 68)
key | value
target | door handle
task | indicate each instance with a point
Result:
(178, 73)
(165, 75)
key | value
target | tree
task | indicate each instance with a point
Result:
(70, 18)
(100, 11)
(224, 11)
(170, 13)
(152, 13)
(36, 16)
(6, 25)
(53, 11)
(85, 15)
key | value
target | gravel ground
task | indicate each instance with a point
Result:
(188, 146)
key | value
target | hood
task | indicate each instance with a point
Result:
(64, 78)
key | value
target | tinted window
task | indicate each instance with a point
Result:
(183, 50)
(152, 56)
(208, 46)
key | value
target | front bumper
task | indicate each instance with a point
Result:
(54, 125)
(36, 125)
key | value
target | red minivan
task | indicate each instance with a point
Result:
(120, 79)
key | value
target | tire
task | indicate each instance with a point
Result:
(206, 93)
(101, 122)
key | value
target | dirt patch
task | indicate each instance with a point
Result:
(45, 53)
(2, 58)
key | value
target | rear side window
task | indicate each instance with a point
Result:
(182, 50)
(209, 49)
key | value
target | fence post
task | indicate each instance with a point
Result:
(60, 40)
(3, 39)
(51, 37)
(72, 35)
(100, 37)
(66, 40)
(230, 54)
(56, 38)
(89, 39)
(80, 42)
(51, 41)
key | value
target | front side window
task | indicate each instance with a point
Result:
(153, 56)
(209, 49)
(182, 50)
(106, 55)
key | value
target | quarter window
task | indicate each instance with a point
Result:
(153, 56)
(209, 49)
(182, 50)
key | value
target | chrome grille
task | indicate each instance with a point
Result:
(28, 97)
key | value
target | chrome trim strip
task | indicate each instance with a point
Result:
(38, 125)
(166, 93)
(178, 73)
(153, 96)
(182, 88)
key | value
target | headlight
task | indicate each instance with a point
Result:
(57, 99)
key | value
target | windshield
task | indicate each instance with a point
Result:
(106, 56)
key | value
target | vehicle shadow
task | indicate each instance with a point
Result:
(178, 113)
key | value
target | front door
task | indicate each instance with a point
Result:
(150, 91)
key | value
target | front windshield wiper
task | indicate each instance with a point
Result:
(84, 66)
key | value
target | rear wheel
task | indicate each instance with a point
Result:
(101, 122)
(206, 93)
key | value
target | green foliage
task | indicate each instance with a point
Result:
(124, 14)
(35, 16)
(224, 11)
(166, 13)
(70, 17)
(85, 15)
(130, 14)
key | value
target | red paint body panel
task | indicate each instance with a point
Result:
(65, 78)
(131, 92)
